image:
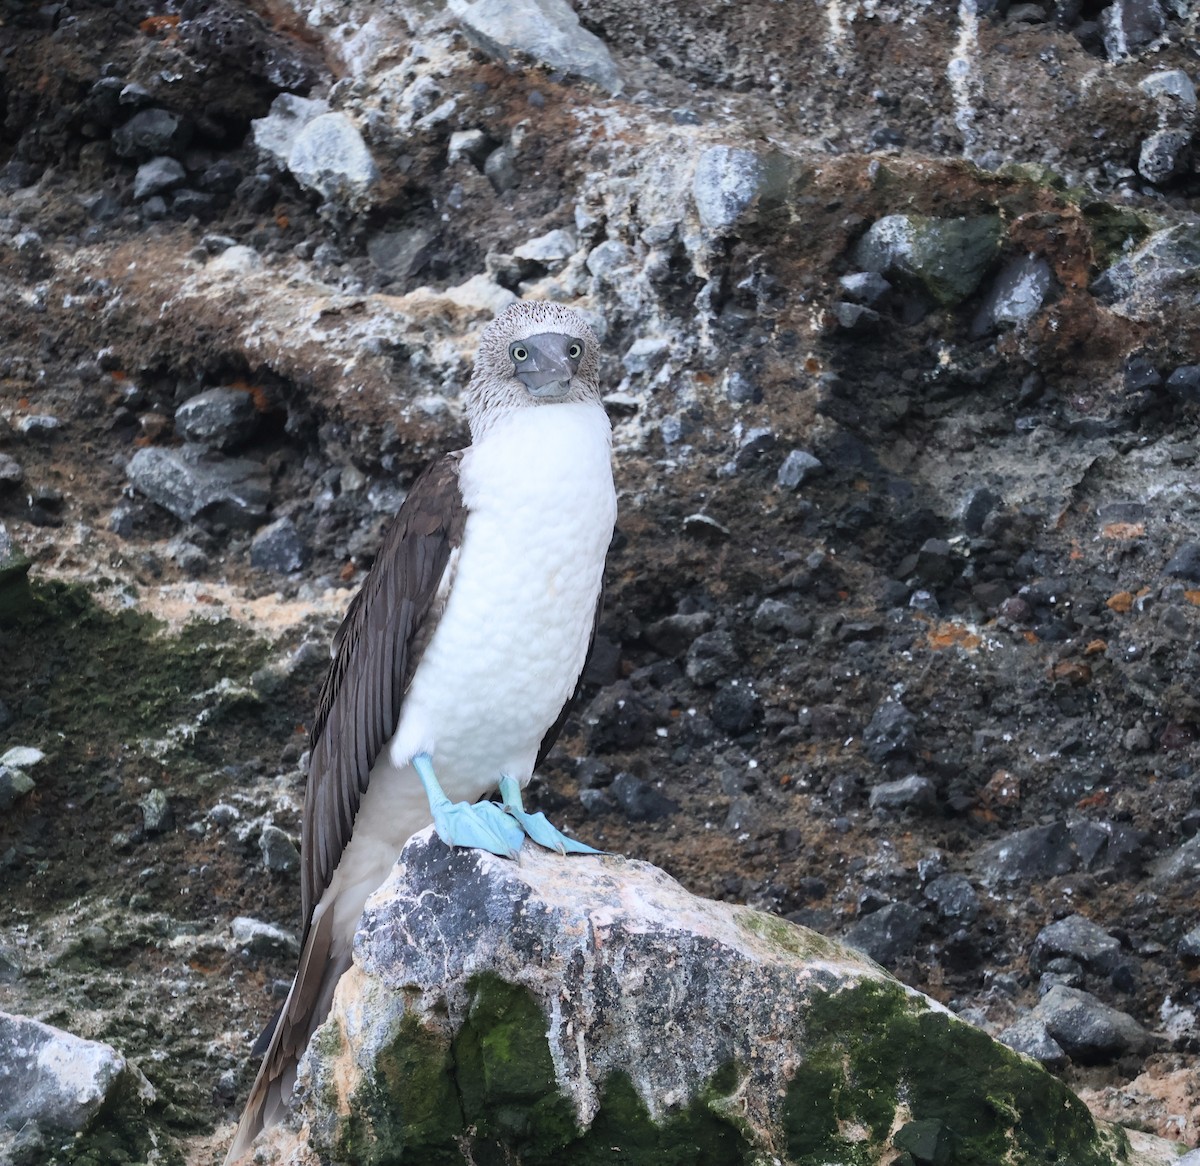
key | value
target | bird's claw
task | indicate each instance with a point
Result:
(483, 826)
(538, 826)
(486, 826)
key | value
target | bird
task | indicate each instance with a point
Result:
(458, 659)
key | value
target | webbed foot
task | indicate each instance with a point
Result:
(537, 826)
(482, 826)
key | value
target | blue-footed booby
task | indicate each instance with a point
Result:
(458, 658)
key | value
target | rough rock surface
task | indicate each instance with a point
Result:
(553, 1009)
(548, 31)
(14, 573)
(219, 418)
(59, 1081)
(190, 480)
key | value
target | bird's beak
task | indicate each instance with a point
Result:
(548, 390)
(549, 373)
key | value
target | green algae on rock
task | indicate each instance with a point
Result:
(594, 1011)
(115, 677)
(15, 595)
(94, 689)
(947, 258)
(880, 1060)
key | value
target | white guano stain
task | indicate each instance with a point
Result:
(962, 74)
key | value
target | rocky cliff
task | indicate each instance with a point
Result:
(899, 310)
(558, 1010)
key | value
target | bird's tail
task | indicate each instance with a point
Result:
(323, 960)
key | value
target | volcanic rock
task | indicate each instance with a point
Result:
(508, 1005)
(61, 1081)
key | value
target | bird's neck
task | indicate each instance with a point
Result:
(544, 447)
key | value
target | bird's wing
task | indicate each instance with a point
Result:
(556, 728)
(376, 651)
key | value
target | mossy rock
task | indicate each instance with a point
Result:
(540, 1012)
(945, 258)
(879, 1059)
(885, 1074)
(15, 594)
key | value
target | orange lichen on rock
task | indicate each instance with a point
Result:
(953, 635)
(1072, 673)
(1121, 603)
(164, 23)
(1123, 530)
(1003, 789)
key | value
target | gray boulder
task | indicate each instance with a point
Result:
(276, 134)
(156, 176)
(946, 258)
(1016, 296)
(1087, 1029)
(731, 181)
(890, 733)
(1036, 852)
(151, 133)
(1128, 25)
(158, 815)
(712, 656)
(11, 472)
(798, 467)
(1075, 937)
(260, 940)
(1164, 154)
(646, 355)
(546, 31)
(219, 418)
(592, 1009)
(330, 157)
(551, 250)
(886, 935)
(1163, 269)
(41, 425)
(279, 548)
(909, 793)
(279, 852)
(15, 784)
(1178, 868)
(467, 145)
(609, 259)
(1189, 945)
(673, 634)
(190, 481)
(1029, 1036)
(60, 1081)
(1172, 89)
(400, 254)
(954, 897)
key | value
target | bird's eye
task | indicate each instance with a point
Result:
(575, 351)
(519, 353)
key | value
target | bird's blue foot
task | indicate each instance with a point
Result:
(482, 826)
(537, 826)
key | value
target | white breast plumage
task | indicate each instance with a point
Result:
(511, 642)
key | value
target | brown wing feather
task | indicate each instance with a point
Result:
(375, 653)
(377, 649)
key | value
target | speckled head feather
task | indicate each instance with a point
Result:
(495, 390)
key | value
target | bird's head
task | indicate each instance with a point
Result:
(533, 353)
